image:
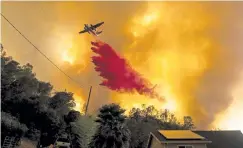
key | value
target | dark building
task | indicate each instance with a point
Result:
(223, 139)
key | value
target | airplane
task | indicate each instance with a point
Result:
(92, 29)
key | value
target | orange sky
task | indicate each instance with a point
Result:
(192, 50)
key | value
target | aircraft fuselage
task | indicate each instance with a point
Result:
(86, 27)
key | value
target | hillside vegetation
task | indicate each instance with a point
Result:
(31, 109)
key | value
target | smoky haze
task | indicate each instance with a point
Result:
(54, 27)
(218, 82)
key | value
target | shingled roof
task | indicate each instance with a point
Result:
(223, 139)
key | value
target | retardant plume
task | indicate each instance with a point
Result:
(117, 73)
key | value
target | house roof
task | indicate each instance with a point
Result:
(180, 135)
(175, 136)
(223, 139)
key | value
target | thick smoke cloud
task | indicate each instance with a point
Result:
(215, 90)
(185, 33)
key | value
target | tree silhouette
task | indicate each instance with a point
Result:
(27, 104)
(29, 109)
(111, 131)
(148, 119)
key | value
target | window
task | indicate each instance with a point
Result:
(185, 146)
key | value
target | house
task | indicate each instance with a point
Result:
(176, 139)
(195, 139)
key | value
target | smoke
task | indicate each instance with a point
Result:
(192, 50)
(117, 72)
(72, 16)
(216, 87)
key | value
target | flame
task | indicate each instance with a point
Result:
(169, 49)
(73, 49)
(67, 57)
(144, 21)
(232, 118)
(73, 56)
(79, 101)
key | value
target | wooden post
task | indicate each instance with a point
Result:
(87, 105)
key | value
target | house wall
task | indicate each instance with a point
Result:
(155, 143)
(198, 145)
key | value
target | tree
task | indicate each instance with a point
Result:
(83, 129)
(111, 131)
(49, 123)
(29, 109)
(29, 102)
(11, 126)
(71, 128)
(141, 122)
(62, 102)
(148, 119)
(188, 123)
(72, 116)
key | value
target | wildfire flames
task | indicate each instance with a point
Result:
(170, 51)
(191, 51)
(170, 46)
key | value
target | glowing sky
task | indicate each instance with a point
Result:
(192, 50)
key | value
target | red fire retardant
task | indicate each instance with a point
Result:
(117, 73)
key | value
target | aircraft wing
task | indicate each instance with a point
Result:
(83, 31)
(97, 25)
